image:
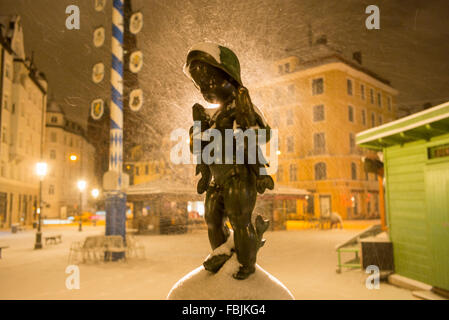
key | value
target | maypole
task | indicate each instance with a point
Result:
(114, 179)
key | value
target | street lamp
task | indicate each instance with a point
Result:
(73, 157)
(95, 193)
(41, 171)
(81, 187)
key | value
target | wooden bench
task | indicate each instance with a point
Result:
(2, 247)
(353, 245)
(53, 239)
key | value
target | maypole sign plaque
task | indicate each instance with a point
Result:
(99, 5)
(97, 109)
(136, 61)
(136, 23)
(99, 36)
(98, 72)
(136, 99)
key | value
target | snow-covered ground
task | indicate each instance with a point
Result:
(304, 261)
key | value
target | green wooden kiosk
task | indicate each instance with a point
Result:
(416, 162)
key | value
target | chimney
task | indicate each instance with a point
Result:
(321, 40)
(310, 34)
(357, 56)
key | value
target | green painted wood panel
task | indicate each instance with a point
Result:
(437, 186)
(406, 214)
(417, 196)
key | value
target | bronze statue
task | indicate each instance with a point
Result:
(231, 188)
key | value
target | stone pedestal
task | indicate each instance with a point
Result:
(204, 285)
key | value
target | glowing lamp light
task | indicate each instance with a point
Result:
(41, 169)
(82, 185)
(212, 105)
(278, 152)
(73, 157)
(95, 193)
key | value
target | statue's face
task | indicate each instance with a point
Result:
(213, 83)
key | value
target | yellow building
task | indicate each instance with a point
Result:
(318, 105)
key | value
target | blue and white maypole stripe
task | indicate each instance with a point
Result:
(116, 129)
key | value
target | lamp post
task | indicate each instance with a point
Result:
(95, 193)
(41, 171)
(81, 186)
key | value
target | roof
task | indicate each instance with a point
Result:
(285, 190)
(422, 125)
(316, 55)
(168, 186)
(52, 106)
(161, 186)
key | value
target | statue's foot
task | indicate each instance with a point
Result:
(214, 263)
(264, 182)
(244, 272)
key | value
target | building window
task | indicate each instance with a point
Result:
(319, 142)
(52, 154)
(51, 189)
(279, 174)
(293, 172)
(317, 86)
(351, 113)
(290, 144)
(373, 119)
(380, 120)
(147, 169)
(291, 89)
(4, 140)
(362, 91)
(364, 117)
(371, 96)
(320, 171)
(349, 86)
(280, 69)
(351, 141)
(353, 171)
(5, 103)
(8, 71)
(287, 67)
(54, 120)
(389, 103)
(318, 113)
(379, 100)
(290, 117)
(53, 137)
(137, 171)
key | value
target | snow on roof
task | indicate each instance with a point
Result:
(161, 186)
(285, 190)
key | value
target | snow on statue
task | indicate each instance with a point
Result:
(231, 186)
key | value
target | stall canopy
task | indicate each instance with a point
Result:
(422, 125)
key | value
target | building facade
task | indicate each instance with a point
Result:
(70, 158)
(318, 105)
(23, 99)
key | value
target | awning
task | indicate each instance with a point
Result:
(422, 125)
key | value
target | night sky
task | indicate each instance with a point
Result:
(411, 49)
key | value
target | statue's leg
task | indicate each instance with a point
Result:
(215, 218)
(239, 199)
